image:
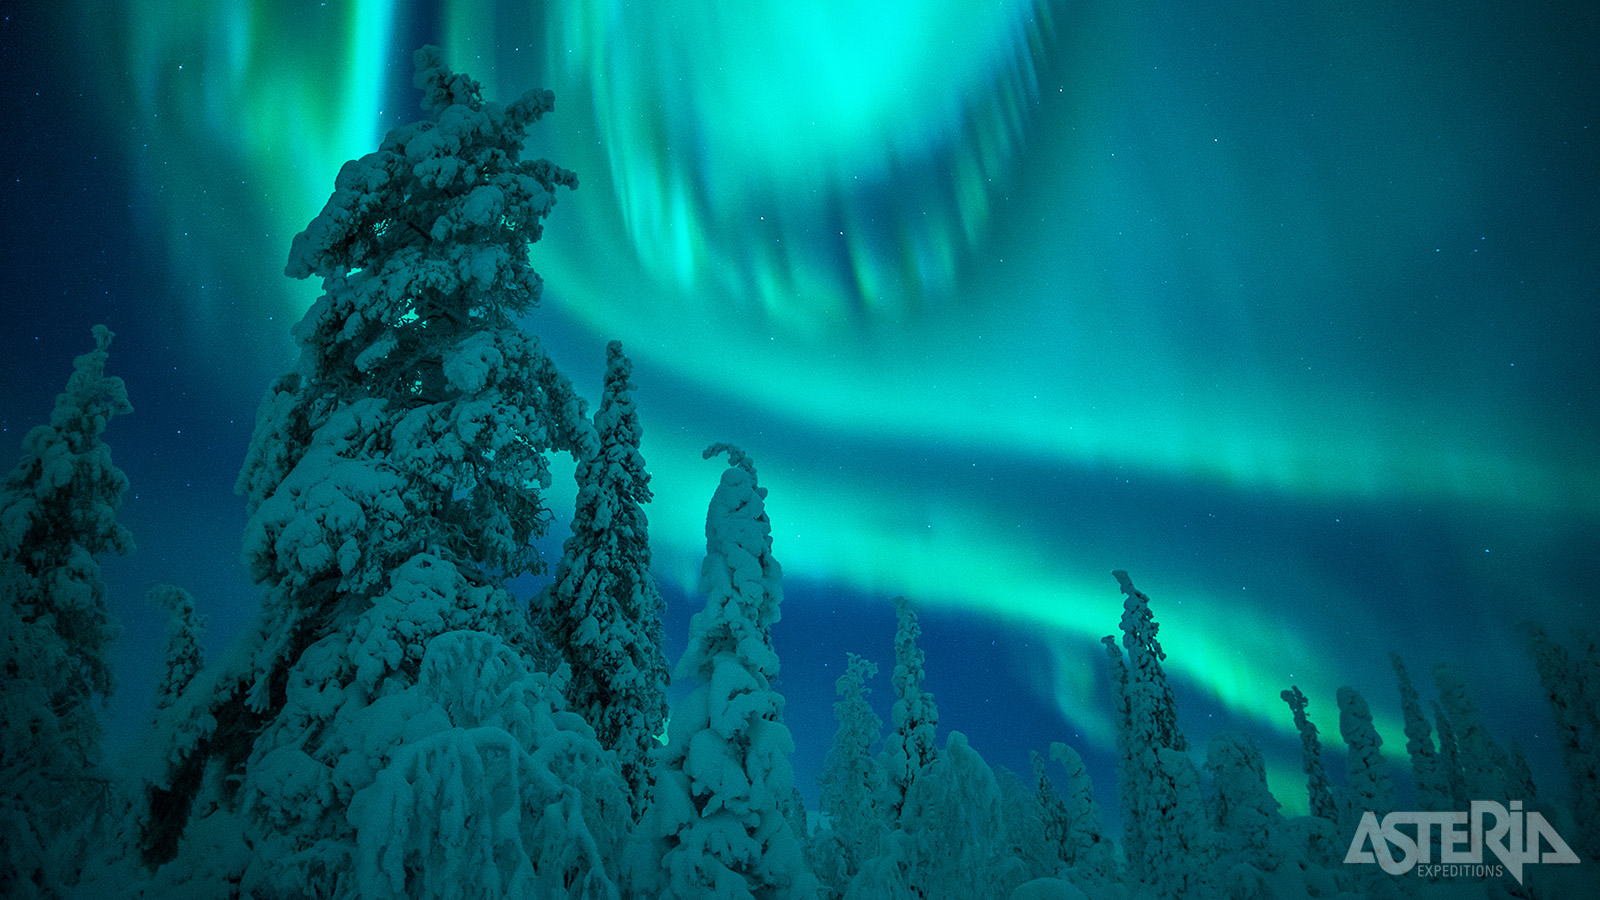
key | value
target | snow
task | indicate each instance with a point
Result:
(1047, 889)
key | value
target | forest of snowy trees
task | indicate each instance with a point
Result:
(397, 724)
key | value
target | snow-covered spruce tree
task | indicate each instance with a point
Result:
(1367, 783)
(1427, 768)
(952, 842)
(380, 732)
(1571, 681)
(1323, 804)
(184, 653)
(912, 741)
(57, 513)
(1244, 814)
(1166, 840)
(852, 781)
(716, 825)
(603, 611)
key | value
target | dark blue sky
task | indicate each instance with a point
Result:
(1290, 312)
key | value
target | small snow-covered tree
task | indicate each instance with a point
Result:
(1323, 804)
(184, 653)
(1481, 761)
(57, 514)
(490, 789)
(1243, 812)
(1023, 811)
(1165, 835)
(1073, 821)
(953, 815)
(952, 841)
(1427, 768)
(393, 485)
(912, 742)
(603, 611)
(852, 780)
(716, 825)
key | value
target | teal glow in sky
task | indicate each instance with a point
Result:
(1290, 312)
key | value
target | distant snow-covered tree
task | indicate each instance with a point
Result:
(852, 779)
(952, 841)
(58, 511)
(1122, 721)
(1519, 775)
(1323, 804)
(1243, 812)
(603, 611)
(1481, 761)
(716, 825)
(1166, 839)
(912, 742)
(1450, 759)
(1571, 681)
(1427, 768)
(1053, 816)
(1022, 809)
(184, 653)
(393, 485)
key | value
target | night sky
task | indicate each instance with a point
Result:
(1291, 310)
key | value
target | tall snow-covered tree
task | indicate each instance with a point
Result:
(183, 652)
(1323, 804)
(1367, 784)
(393, 484)
(58, 511)
(716, 826)
(603, 610)
(1427, 768)
(1165, 836)
(852, 779)
(1571, 681)
(912, 742)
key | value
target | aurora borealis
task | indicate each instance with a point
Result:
(1289, 312)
